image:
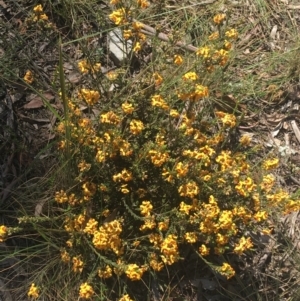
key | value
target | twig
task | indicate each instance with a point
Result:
(293, 6)
(150, 31)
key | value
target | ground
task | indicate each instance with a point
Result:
(264, 93)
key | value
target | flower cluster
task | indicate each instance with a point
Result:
(125, 298)
(39, 14)
(33, 291)
(86, 291)
(28, 77)
(192, 91)
(3, 233)
(169, 249)
(105, 273)
(158, 101)
(226, 270)
(134, 272)
(85, 67)
(107, 237)
(154, 171)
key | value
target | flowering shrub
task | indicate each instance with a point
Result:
(155, 169)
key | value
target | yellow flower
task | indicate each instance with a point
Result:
(65, 256)
(221, 56)
(155, 264)
(158, 101)
(169, 249)
(181, 169)
(112, 75)
(110, 117)
(242, 245)
(61, 197)
(89, 189)
(143, 3)
(86, 291)
(185, 208)
(278, 197)
(124, 189)
(203, 250)
(267, 183)
(157, 78)
(127, 34)
(163, 226)
(190, 237)
(125, 176)
(221, 239)
(260, 216)
(158, 158)
(246, 186)
(91, 226)
(225, 220)
(28, 77)
(267, 231)
(137, 25)
(174, 113)
(227, 45)
(291, 206)
(125, 298)
(33, 291)
(43, 17)
(38, 9)
(146, 208)
(149, 223)
(83, 166)
(118, 16)
(189, 190)
(127, 108)
(137, 47)
(107, 238)
(204, 52)
(178, 60)
(105, 273)
(3, 233)
(136, 126)
(190, 76)
(245, 140)
(90, 96)
(200, 92)
(155, 239)
(271, 164)
(134, 272)
(167, 176)
(219, 18)
(125, 148)
(227, 119)
(225, 160)
(77, 264)
(69, 243)
(214, 36)
(226, 270)
(84, 67)
(232, 33)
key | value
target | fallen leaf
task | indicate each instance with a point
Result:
(74, 77)
(34, 120)
(2, 3)
(68, 66)
(295, 129)
(35, 103)
(273, 32)
(49, 95)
